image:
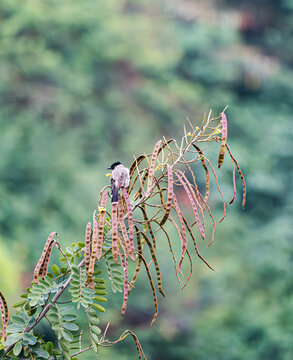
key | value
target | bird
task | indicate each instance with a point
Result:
(119, 178)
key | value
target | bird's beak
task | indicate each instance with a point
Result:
(109, 168)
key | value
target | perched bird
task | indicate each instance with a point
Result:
(119, 178)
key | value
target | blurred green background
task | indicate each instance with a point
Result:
(86, 83)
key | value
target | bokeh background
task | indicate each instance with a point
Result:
(85, 83)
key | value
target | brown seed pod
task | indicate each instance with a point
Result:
(152, 164)
(114, 232)
(154, 258)
(40, 265)
(192, 202)
(218, 187)
(191, 269)
(224, 139)
(4, 315)
(93, 245)
(204, 165)
(130, 218)
(129, 246)
(124, 263)
(135, 164)
(87, 255)
(44, 267)
(139, 263)
(195, 244)
(153, 289)
(142, 183)
(183, 238)
(241, 175)
(170, 195)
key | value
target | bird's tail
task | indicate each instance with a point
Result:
(115, 194)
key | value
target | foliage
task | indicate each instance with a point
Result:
(155, 180)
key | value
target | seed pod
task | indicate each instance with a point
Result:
(130, 218)
(224, 139)
(125, 287)
(41, 263)
(202, 159)
(129, 247)
(114, 232)
(87, 255)
(183, 238)
(193, 205)
(169, 197)
(4, 315)
(101, 225)
(153, 163)
(241, 175)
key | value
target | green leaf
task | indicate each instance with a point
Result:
(100, 286)
(53, 317)
(11, 339)
(42, 354)
(116, 287)
(56, 269)
(69, 317)
(99, 307)
(118, 279)
(99, 280)
(28, 339)
(96, 330)
(64, 345)
(94, 346)
(95, 338)
(97, 272)
(67, 308)
(100, 299)
(49, 347)
(70, 326)
(19, 303)
(17, 348)
(94, 320)
(63, 270)
(100, 292)
(67, 335)
(49, 281)
(20, 319)
(14, 328)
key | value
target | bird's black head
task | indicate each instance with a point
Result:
(112, 167)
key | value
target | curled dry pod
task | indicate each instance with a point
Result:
(154, 258)
(135, 164)
(240, 174)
